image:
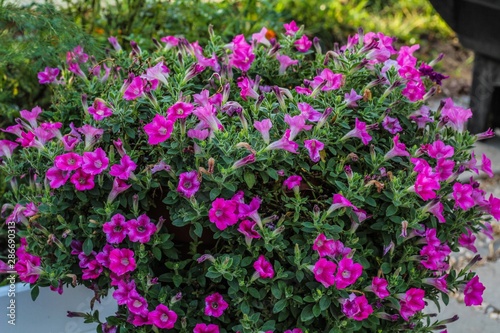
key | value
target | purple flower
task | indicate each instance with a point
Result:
(486, 165)
(391, 125)
(351, 98)
(244, 161)
(140, 229)
(285, 62)
(116, 229)
(49, 75)
(159, 129)
(124, 169)
(119, 186)
(215, 305)
(188, 183)
(263, 268)
(467, 240)
(223, 213)
(7, 148)
(114, 42)
(359, 131)
(263, 127)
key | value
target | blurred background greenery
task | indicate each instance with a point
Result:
(33, 36)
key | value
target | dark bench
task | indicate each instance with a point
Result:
(477, 24)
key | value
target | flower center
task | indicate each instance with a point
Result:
(117, 228)
(215, 305)
(98, 163)
(71, 161)
(346, 274)
(137, 303)
(162, 130)
(218, 212)
(125, 261)
(82, 180)
(140, 228)
(164, 317)
(187, 185)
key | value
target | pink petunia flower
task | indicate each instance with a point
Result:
(292, 182)
(159, 129)
(137, 304)
(7, 148)
(348, 273)
(356, 307)
(439, 283)
(82, 181)
(359, 131)
(260, 37)
(188, 183)
(473, 292)
(247, 228)
(135, 89)
(303, 44)
(284, 143)
(124, 169)
(285, 62)
(263, 268)
(140, 229)
(215, 305)
(208, 116)
(28, 267)
(324, 246)
(123, 288)
(263, 127)
(179, 110)
(162, 317)
(68, 161)
(204, 328)
(116, 229)
(486, 165)
(414, 299)
(457, 116)
(426, 184)
(444, 168)
(314, 147)
(398, 149)
(49, 75)
(351, 98)
(99, 110)
(438, 149)
(159, 72)
(121, 261)
(57, 177)
(379, 287)
(467, 240)
(324, 272)
(391, 125)
(290, 28)
(297, 124)
(328, 79)
(223, 213)
(94, 163)
(462, 193)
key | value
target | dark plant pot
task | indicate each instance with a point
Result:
(477, 24)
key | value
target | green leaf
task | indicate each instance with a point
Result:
(299, 275)
(280, 305)
(445, 298)
(307, 313)
(214, 193)
(88, 246)
(324, 303)
(254, 292)
(177, 279)
(157, 253)
(35, 291)
(386, 268)
(249, 179)
(230, 186)
(272, 173)
(130, 132)
(316, 310)
(391, 210)
(276, 291)
(198, 229)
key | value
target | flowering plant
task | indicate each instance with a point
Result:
(255, 186)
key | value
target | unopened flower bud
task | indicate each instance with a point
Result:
(211, 165)
(136, 50)
(348, 171)
(367, 95)
(157, 43)
(205, 257)
(316, 45)
(135, 204)
(176, 298)
(316, 211)
(85, 103)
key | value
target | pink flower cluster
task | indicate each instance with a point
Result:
(138, 230)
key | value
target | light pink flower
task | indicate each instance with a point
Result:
(215, 305)
(94, 163)
(351, 97)
(162, 317)
(159, 129)
(285, 62)
(188, 183)
(7, 148)
(263, 127)
(324, 272)
(314, 147)
(263, 268)
(284, 143)
(249, 159)
(359, 131)
(158, 72)
(208, 116)
(82, 181)
(391, 125)
(260, 37)
(439, 283)
(398, 149)
(121, 261)
(124, 169)
(171, 41)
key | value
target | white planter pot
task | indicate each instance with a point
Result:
(48, 314)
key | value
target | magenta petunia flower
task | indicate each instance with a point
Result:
(82, 181)
(308, 112)
(99, 110)
(457, 116)
(208, 115)
(348, 273)
(247, 228)
(103, 256)
(223, 213)
(356, 307)
(328, 79)
(135, 89)
(188, 183)
(124, 169)
(324, 246)
(57, 177)
(467, 240)
(49, 75)
(94, 163)
(68, 161)
(162, 317)
(284, 143)
(297, 124)
(436, 208)
(159, 72)
(324, 272)
(486, 165)
(303, 44)
(439, 283)
(159, 129)
(292, 182)
(121, 261)
(426, 184)
(242, 56)
(116, 229)
(285, 62)
(179, 110)
(314, 147)
(295, 330)
(444, 168)
(414, 91)
(215, 305)
(140, 229)
(28, 267)
(359, 131)
(414, 299)
(263, 268)
(398, 149)
(123, 288)
(462, 193)
(204, 328)
(249, 159)
(438, 149)
(263, 127)
(473, 292)
(247, 88)
(137, 304)
(7, 148)
(379, 287)
(339, 201)
(290, 28)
